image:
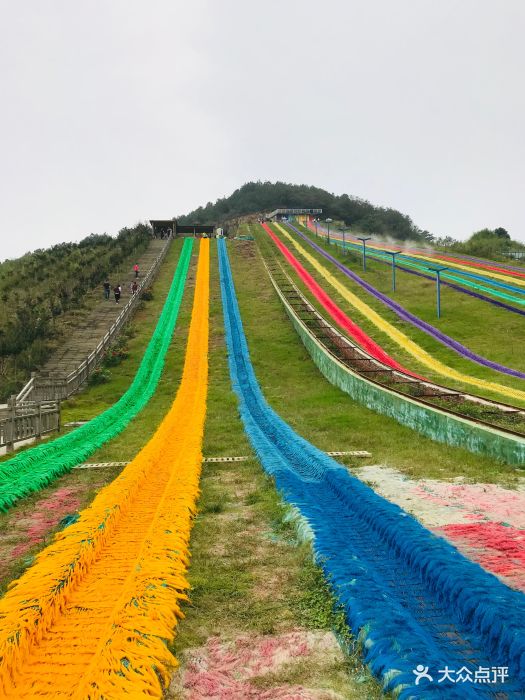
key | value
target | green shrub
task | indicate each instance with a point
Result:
(114, 357)
(101, 375)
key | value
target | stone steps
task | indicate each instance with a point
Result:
(86, 330)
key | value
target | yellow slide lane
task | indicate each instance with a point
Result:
(400, 338)
(90, 618)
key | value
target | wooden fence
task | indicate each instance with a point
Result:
(54, 386)
(22, 420)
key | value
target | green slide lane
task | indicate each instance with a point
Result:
(35, 468)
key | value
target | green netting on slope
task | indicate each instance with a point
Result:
(37, 467)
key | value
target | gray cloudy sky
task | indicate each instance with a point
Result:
(115, 111)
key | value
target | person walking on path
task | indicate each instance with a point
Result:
(134, 287)
(136, 268)
(107, 289)
(117, 292)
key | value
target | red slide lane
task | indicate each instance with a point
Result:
(335, 312)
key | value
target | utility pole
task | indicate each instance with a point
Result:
(343, 231)
(393, 253)
(438, 271)
(329, 221)
(364, 240)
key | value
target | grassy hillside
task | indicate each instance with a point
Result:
(250, 575)
(39, 288)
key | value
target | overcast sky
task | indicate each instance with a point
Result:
(115, 111)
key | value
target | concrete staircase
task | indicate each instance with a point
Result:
(87, 328)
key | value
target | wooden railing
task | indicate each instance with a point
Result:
(22, 420)
(54, 386)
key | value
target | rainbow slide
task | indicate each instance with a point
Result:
(33, 469)
(335, 312)
(394, 333)
(405, 315)
(409, 263)
(463, 262)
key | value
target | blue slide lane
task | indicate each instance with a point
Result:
(409, 596)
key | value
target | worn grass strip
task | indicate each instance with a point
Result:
(92, 616)
(37, 467)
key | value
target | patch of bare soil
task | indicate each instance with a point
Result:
(247, 249)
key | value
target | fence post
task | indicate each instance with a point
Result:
(10, 426)
(38, 420)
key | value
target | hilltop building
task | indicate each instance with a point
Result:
(164, 228)
(287, 214)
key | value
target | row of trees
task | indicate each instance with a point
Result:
(264, 196)
(487, 243)
(38, 288)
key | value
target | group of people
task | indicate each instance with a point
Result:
(162, 233)
(117, 289)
